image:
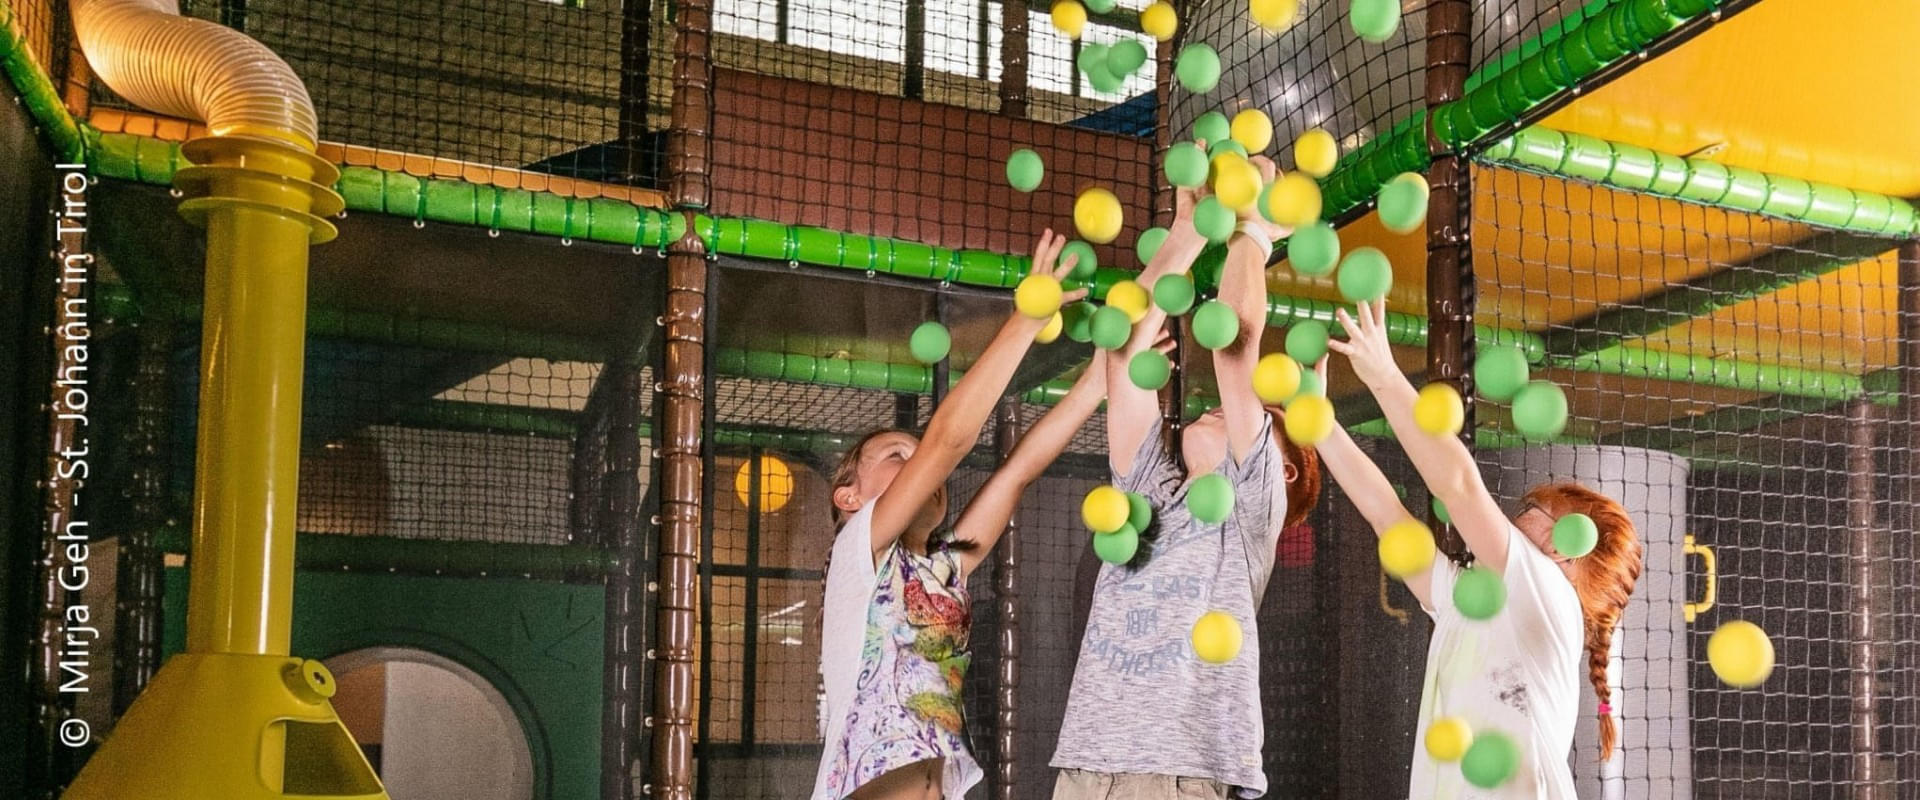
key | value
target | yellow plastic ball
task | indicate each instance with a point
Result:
(1130, 297)
(1216, 637)
(1052, 331)
(1276, 378)
(1105, 509)
(1309, 419)
(1294, 201)
(1097, 214)
(1448, 738)
(1406, 548)
(1438, 410)
(1274, 15)
(1316, 153)
(1159, 21)
(1070, 17)
(1223, 161)
(1037, 296)
(776, 484)
(1237, 185)
(1252, 129)
(1741, 654)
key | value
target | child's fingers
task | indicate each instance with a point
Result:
(1343, 348)
(1380, 314)
(1353, 328)
(1320, 367)
(1043, 254)
(1074, 296)
(1266, 167)
(1066, 266)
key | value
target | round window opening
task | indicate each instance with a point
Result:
(431, 728)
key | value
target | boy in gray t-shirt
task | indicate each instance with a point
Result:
(1145, 717)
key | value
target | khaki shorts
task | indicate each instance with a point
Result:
(1075, 784)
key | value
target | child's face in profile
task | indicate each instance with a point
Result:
(880, 462)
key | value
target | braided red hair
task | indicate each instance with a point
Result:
(1604, 580)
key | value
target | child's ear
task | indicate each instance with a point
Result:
(1291, 472)
(846, 499)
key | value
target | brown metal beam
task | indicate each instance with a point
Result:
(1450, 280)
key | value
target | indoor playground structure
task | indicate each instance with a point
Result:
(438, 400)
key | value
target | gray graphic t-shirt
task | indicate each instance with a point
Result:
(1141, 701)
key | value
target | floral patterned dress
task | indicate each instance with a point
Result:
(906, 705)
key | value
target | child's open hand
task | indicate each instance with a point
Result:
(1367, 348)
(1046, 253)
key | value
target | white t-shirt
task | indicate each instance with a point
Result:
(850, 577)
(1522, 673)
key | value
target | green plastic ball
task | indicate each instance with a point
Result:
(1085, 265)
(1499, 372)
(1403, 203)
(1117, 548)
(1139, 511)
(1210, 498)
(1111, 328)
(1213, 220)
(1539, 410)
(1092, 58)
(1479, 593)
(1491, 760)
(1440, 512)
(1126, 56)
(1103, 80)
(1215, 325)
(1374, 21)
(1148, 245)
(1149, 370)
(1098, 6)
(1212, 128)
(929, 342)
(1226, 146)
(1173, 293)
(1574, 535)
(1307, 343)
(1365, 275)
(1025, 169)
(1315, 249)
(1197, 67)
(1186, 165)
(1310, 383)
(1077, 319)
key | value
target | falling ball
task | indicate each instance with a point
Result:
(1216, 637)
(1025, 169)
(1148, 244)
(1307, 341)
(1213, 220)
(1274, 15)
(1097, 214)
(1499, 372)
(1491, 760)
(1440, 512)
(1077, 319)
(1159, 21)
(1125, 56)
(1117, 548)
(1438, 410)
(1129, 297)
(1309, 419)
(1740, 654)
(1237, 184)
(1085, 263)
(1294, 201)
(1479, 593)
(1406, 548)
(1252, 129)
(1365, 275)
(1374, 21)
(1140, 512)
(1276, 378)
(1111, 328)
(1070, 17)
(1215, 325)
(1197, 67)
(1539, 410)
(1314, 249)
(1316, 153)
(776, 484)
(1448, 738)
(1186, 165)
(1403, 203)
(1173, 293)
(1054, 326)
(1210, 498)
(1092, 58)
(1212, 128)
(1105, 509)
(1224, 146)
(1310, 384)
(1574, 535)
(1099, 6)
(1037, 296)
(929, 342)
(1149, 369)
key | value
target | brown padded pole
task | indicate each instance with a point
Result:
(1450, 289)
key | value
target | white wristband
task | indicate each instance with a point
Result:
(1257, 236)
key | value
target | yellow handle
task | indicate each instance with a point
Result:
(1399, 614)
(1689, 548)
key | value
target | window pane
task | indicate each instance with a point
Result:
(861, 28)
(994, 16)
(754, 18)
(1049, 56)
(953, 36)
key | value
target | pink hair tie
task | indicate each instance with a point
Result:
(1605, 709)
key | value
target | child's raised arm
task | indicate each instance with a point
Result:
(1368, 488)
(1133, 413)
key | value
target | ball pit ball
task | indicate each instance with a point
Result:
(1213, 220)
(1440, 512)
(1215, 325)
(1103, 79)
(1105, 509)
(1096, 212)
(1316, 153)
(1237, 184)
(1276, 378)
(1307, 341)
(1128, 296)
(1499, 372)
(1309, 419)
(1364, 275)
(1403, 203)
(1110, 328)
(929, 342)
(1025, 169)
(1212, 128)
(1310, 383)
(1216, 637)
(1037, 296)
(1186, 165)
(1294, 201)
(776, 484)
(1051, 332)
(1117, 548)
(1197, 67)
(1438, 410)
(1070, 17)
(1125, 56)
(1491, 760)
(1210, 498)
(1149, 369)
(1448, 739)
(1092, 57)
(1479, 593)
(1251, 128)
(1224, 146)
(1140, 513)
(1539, 411)
(1077, 319)
(1084, 263)
(1574, 535)
(1148, 244)
(1314, 249)
(1741, 654)
(1274, 15)
(1159, 21)
(1173, 293)
(1406, 548)
(1099, 6)
(1374, 21)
